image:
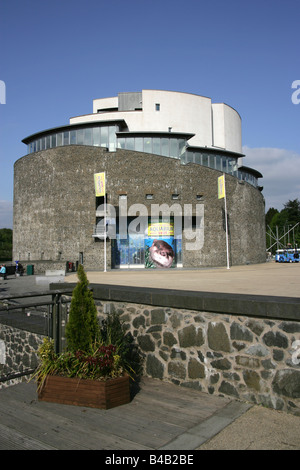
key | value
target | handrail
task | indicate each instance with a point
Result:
(5, 308)
(36, 294)
(17, 375)
(17, 307)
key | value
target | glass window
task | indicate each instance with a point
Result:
(139, 144)
(87, 136)
(156, 145)
(104, 136)
(80, 136)
(72, 137)
(218, 162)
(174, 151)
(121, 142)
(59, 139)
(165, 147)
(232, 166)
(48, 142)
(181, 145)
(53, 140)
(66, 138)
(198, 158)
(130, 143)
(112, 137)
(157, 107)
(190, 157)
(212, 161)
(183, 158)
(148, 144)
(224, 164)
(205, 160)
(96, 137)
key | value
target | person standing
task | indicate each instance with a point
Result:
(3, 271)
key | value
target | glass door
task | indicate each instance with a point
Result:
(129, 253)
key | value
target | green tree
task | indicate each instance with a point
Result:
(270, 214)
(82, 329)
(292, 209)
(284, 223)
(5, 244)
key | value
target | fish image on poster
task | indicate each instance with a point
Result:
(160, 245)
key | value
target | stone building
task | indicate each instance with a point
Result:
(162, 154)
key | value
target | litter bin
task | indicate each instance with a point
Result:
(30, 269)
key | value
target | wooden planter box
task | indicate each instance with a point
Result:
(84, 392)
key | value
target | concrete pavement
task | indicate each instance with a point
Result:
(258, 428)
(274, 279)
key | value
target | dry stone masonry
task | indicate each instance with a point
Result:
(246, 358)
(18, 353)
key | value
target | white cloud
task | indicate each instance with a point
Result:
(6, 214)
(281, 173)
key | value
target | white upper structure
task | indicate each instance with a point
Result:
(213, 125)
(178, 125)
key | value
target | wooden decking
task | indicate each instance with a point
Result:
(159, 416)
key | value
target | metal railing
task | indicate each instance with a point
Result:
(55, 315)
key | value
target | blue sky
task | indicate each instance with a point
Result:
(57, 56)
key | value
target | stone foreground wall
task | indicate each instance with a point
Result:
(252, 359)
(18, 352)
(249, 358)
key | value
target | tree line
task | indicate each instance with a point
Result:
(284, 225)
(6, 244)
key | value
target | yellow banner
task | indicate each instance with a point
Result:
(99, 184)
(160, 229)
(221, 187)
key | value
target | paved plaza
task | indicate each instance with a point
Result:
(272, 279)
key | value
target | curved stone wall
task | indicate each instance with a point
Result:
(55, 207)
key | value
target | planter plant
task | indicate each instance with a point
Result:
(99, 360)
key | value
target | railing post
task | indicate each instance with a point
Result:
(54, 322)
(59, 322)
(56, 314)
(62, 325)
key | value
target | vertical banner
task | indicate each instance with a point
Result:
(221, 187)
(99, 179)
(222, 195)
(100, 188)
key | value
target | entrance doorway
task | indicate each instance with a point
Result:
(129, 253)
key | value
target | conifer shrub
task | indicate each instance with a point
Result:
(82, 330)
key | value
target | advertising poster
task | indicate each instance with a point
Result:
(160, 245)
